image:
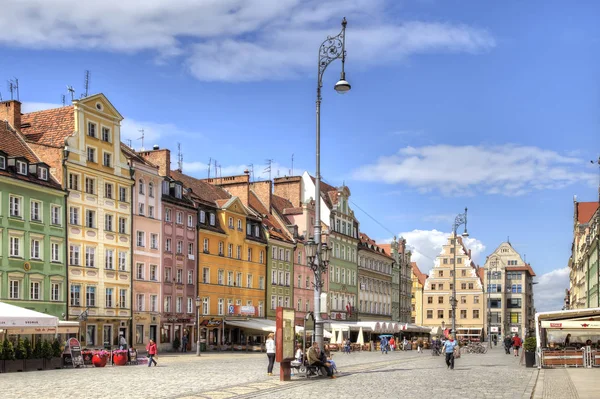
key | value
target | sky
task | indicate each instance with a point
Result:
(454, 104)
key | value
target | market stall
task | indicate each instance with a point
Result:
(569, 338)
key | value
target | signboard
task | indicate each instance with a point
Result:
(514, 329)
(75, 350)
(494, 329)
(284, 334)
(211, 322)
(240, 310)
(580, 324)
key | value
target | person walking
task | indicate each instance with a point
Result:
(122, 341)
(383, 345)
(419, 346)
(448, 348)
(507, 344)
(516, 343)
(184, 342)
(392, 344)
(270, 353)
(151, 348)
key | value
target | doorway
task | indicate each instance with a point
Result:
(153, 333)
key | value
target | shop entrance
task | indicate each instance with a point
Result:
(153, 333)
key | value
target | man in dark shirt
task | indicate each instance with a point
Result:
(314, 359)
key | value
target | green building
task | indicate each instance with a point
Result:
(32, 225)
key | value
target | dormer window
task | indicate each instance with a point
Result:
(22, 168)
(202, 217)
(178, 191)
(212, 219)
(43, 173)
(2, 162)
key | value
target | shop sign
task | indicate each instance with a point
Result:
(494, 329)
(175, 320)
(75, 349)
(555, 325)
(212, 322)
(284, 333)
(243, 310)
(338, 316)
(514, 329)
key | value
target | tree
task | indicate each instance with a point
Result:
(20, 350)
(8, 350)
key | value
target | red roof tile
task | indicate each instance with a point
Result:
(202, 189)
(49, 127)
(275, 229)
(524, 268)
(280, 205)
(420, 276)
(132, 154)
(585, 211)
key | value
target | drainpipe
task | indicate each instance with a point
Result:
(131, 172)
(66, 222)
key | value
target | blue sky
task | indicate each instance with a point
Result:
(488, 105)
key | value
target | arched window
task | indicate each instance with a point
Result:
(141, 184)
(151, 190)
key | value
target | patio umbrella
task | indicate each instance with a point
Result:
(333, 336)
(340, 337)
(360, 340)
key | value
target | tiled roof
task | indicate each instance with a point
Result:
(49, 127)
(481, 273)
(201, 189)
(292, 211)
(13, 144)
(386, 247)
(326, 191)
(420, 276)
(132, 154)
(281, 204)
(524, 268)
(271, 224)
(585, 211)
(366, 243)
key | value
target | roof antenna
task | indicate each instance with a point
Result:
(141, 138)
(86, 83)
(209, 162)
(292, 170)
(71, 90)
(221, 173)
(251, 166)
(268, 168)
(129, 143)
(179, 158)
(13, 87)
(63, 100)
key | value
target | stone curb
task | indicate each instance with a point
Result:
(538, 391)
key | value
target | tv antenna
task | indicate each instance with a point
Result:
(209, 162)
(179, 158)
(71, 90)
(63, 98)
(86, 83)
(292, 170)
(142, 138)
(129, 143)
(251, 166)
(13, 87)
(268, 168)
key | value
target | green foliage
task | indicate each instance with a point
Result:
(176, 343)
(37, 351)
(56, 350)
(28, 349)
(530, 344)
(46, 350)
(8, 351)
(20, 350)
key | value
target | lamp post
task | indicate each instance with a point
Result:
(331, 49)
(489, 298)
(198, 326)
(460, 219)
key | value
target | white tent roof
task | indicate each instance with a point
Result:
(14, 316)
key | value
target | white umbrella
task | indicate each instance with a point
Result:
(361, 339)
(340, 337)
(333, 336)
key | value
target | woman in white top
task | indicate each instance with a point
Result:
(270, 353)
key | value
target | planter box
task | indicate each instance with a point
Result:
(34, 364)
(11, 366)
(2, 366)
(529, 359)
(53, 363)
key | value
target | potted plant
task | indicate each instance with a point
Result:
(530, 346)
(100, 358)
(87, 357)
(11, 363)
(176, 344)
(46, 352)
(55, 360)
(120, 357)
(34, 360)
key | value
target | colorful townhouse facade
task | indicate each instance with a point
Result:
(418, 284)
(33, 271)
(147, 249)
(82, 145)
(375, 268)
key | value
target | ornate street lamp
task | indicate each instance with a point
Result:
(198, 303)
(460, 219)
(331, 49)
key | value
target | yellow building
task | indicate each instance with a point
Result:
(416, 301)
(86, 137)
(231, 260)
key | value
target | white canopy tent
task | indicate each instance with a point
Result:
(24, 321)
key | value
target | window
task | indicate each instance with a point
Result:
(239, 225)
(34, 290)
(154, 303)
(256, 231)
(122, 225)
(167, 305)
(230, 278)
(463, 286)
(430, 314)
(273, 302)
(168, 245)
(73, 181)
(470, 286)
(139, 300)
(476, 299)
(212, 219)
(90, 257)
(230, 250)
(74, 255)
(141, 189)
(167, 215)
(2, 162)
(220, 308)
(179, 218)
(441, 273)
(90, 217)
(141, 239)
(122, 261)
(153, 241)
(463, 300)
(91, 154)
(274, 277)
(463, 314)
(55, 292)
(238, 279)
(122, 194)
(108, 259)
(299, 305)
(205, 244)
(205, 305)
(105, 134)
(230, 223)
(440, 299)
(91, 129)
(307, 282)
(15, 206)
(123, 298)
(36, 211)
(150, 211)
(429, 299)
(440, 314)
(141, 208)
(179, 247)
(202, 217)
(205, 275)
(249, 281)
(190, 279)
(433, 287)
(179, 276)
(139, 271)
(190, 221)
(75, 295)
(475, 313)
(190, 305)
(35, 249)
(14, 291)
(249, 254)
(167, 274)
(178, 304)
(90, 296)
(54, 252)
(106, 159)
(109, 300)
(220, 277)
(239, 252)
(515, 317)
(55, 215)
(261, 257)
(261, 282)
(153, 272)
(108, 222)
(21, 168)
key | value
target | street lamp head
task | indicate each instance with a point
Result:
(342, 86)
(311, 249)
(325, 253)
(198, 301)
(465, 234)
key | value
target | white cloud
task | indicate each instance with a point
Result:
(426, 245)
(233, 40)
(549, 293)
(466, 170)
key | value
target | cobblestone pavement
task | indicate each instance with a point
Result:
(567, 383)
(240, 375)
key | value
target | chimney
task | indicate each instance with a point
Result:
(11, 112)
(290, 188)
(262, 189)
(160, 158)
(238, 186)
(469, 253)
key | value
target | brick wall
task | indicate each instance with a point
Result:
(238, 186)
(11, 111)
(290, 188)
(52, 156)
(160, 158)
(262, 189)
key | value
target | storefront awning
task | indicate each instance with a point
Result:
(13, 317)
(263, 325)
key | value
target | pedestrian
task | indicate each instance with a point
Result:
(507, 344)
(383, 345)
(419, 346)
(392, 344)
(184, 342)
(516, 343)
(448, 348)
(347, 346)
(316, 357)
(495, 339)
(122, 341)
(270, 353)
(151, 348)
